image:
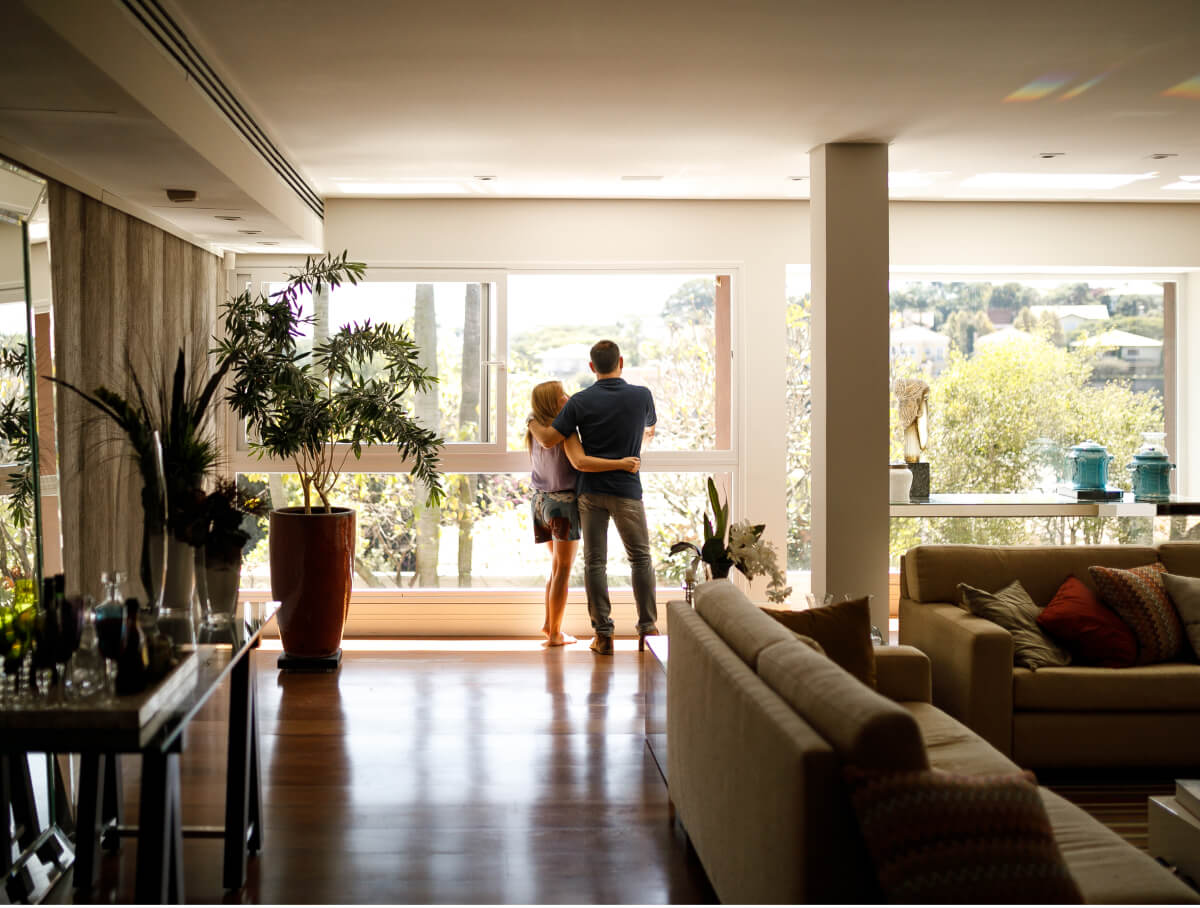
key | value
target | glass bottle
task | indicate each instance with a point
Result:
(110, 615)
(86, 674)
(131, 667)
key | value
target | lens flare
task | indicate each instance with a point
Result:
(1081, 88)
(1038, 88)
(1189, 89)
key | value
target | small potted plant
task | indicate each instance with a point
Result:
(739, 545)
(315, 410)
(225, 510)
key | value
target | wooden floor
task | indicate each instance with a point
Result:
(518, 776)
(467, 772)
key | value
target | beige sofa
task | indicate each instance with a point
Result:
(1074, 716)
(756, 774)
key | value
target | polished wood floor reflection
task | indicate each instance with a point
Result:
(427, 776)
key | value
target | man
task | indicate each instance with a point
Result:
(613, 418)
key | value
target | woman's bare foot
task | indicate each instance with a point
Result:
(559, 639)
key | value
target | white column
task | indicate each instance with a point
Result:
(850, 372)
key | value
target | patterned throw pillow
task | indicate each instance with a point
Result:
(1017, 613)
(1139, 597)
(940, 837)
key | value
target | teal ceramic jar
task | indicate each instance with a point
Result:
(1089, 466)
(1151, 470)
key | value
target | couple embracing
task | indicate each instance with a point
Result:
(585, 452)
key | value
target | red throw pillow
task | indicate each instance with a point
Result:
(1093, 634)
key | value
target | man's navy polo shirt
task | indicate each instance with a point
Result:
(611, 417)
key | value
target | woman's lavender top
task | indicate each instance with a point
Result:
(552, 472)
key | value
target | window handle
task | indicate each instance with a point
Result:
(496, 362)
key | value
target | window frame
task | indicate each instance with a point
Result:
(492, 457)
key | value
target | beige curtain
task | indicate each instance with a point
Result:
(124, 293)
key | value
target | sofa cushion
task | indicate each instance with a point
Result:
(1013, 610)
(951, 746)
(1139, 597)
(1185, 596)
(939, 837)
(1166, 686)
(737, 621)
(1093, 634)
(932, 572)
(1180, 557)
(844, 631)
(863, 727)
(1104, 866)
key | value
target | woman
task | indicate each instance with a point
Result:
(555, 512)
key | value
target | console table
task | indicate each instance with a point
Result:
(1037, 504)
(222, 653)
(654, 683)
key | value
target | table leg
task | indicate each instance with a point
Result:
(20, 795)
(254, 843)
(238, 772)
(160, 831)
(89, 813)
(6, 837)
(113, 805)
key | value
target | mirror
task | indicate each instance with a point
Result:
(28, 472)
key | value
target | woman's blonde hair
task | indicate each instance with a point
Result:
(545, 405)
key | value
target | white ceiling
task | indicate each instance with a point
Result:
(566, 99)
(720, 99)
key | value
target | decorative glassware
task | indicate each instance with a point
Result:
(86, 672)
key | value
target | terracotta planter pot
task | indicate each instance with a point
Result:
(312, 568)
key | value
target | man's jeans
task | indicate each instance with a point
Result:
(630, 519)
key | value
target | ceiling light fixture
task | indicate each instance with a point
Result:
(1054, 180)
(228, 217)
(250, 232)
(1163, 155)
(1049, 155)
(408, 187)
(798, 179)
(181, 195)
(268, 242)
(486, 178)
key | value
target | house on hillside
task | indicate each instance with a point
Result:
(1127, 356)
(1072, 318)
(918, 343)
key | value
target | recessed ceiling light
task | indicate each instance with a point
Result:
(1054, 180)
(268, 242)
(642, 178)
(1163, 155)
(228, 217)
(486, 178)
(407, 187)
(798, 179)
(1048, 155)
(250, 232)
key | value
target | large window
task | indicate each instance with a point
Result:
(490, 338)
(1019, 370)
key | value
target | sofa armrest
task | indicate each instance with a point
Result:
(971, 660)
(902, 673)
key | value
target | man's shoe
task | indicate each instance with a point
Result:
(651, 631)
(602, 645)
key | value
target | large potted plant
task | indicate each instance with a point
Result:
(315, 410)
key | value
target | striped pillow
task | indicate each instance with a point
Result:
(940, 837)
(1139, 597)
